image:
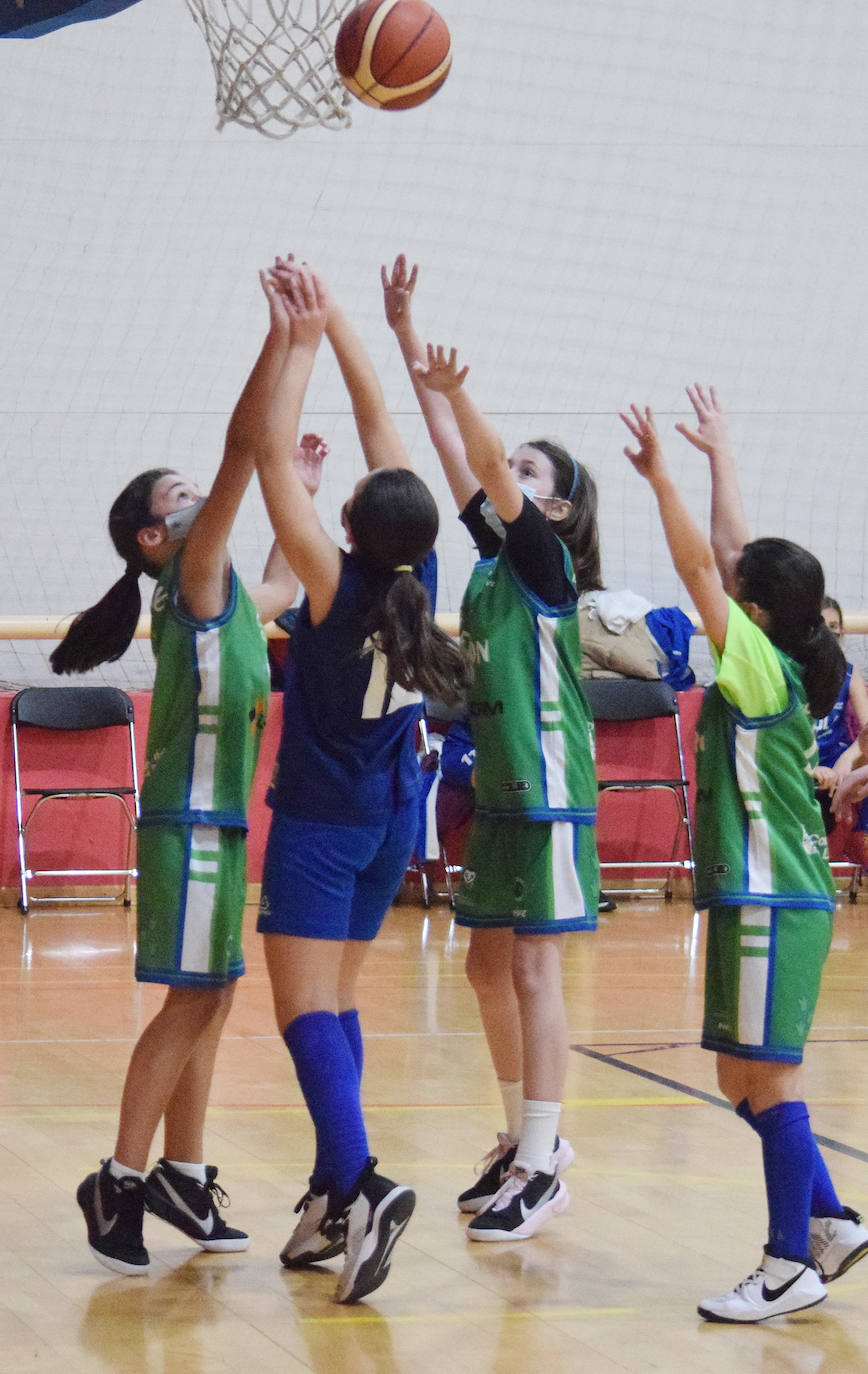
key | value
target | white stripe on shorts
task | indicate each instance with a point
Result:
(753, 976)
(201, 899)
(569, 901)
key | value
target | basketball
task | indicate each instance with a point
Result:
(393, 54)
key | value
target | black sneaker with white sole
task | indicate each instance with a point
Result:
(318, 1235)
(376, 1213)
(192, 1206)
(113, 1209)
(523, 1205)
(496, 1166)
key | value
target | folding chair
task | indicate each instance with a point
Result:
(632, 700)
(72, 709)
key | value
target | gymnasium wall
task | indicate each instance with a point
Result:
(608, 200)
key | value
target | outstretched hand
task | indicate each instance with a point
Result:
(306, 305)
(278, 321)
(398, 291)
(711, 433)
(441, 373)
(310, 453)
(648, 458)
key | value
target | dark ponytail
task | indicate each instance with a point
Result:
(103, 632)
(786, 581)
(394, 522)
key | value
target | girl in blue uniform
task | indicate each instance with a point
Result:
(761, 865)
(210, 652)
(836, 733)
(346, 792)
(531, 870)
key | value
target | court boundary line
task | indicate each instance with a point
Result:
(612, 1062)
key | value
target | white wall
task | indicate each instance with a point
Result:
(608, 199)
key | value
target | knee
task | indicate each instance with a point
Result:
(488, 975)
(536, 969)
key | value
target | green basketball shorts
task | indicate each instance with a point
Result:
(539, 877)
(190, 904)
(762, 978)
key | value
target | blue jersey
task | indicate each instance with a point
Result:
(831, 732)
(348, 748)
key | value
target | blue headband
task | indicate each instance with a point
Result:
(577, 477)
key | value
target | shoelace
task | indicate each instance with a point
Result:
(516, 1182)
(219, 1195)
(503, 1147)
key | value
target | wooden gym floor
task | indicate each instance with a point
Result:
(667, 1200)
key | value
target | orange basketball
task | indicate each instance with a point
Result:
(393, 54)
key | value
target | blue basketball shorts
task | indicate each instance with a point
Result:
(333, 882)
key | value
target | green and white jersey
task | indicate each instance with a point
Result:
(208, 709)
(530, 722)
(759, 832)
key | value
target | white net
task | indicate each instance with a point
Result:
(273, 62)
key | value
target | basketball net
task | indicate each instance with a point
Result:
(274, 62)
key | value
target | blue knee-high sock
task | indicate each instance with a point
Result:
(320, 1177)
(329, 1080)
(824, 1199)
(352, 1029)
(788, 1164)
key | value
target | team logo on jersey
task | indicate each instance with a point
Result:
(716, 870)
(469, 876)
(515, 785)
(486, 708)
(160, 599)
(257, 716)
(814, 844)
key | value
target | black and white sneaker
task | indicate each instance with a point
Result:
(376, 1214)
(523, 1205)
(318, 1235)
(494, 1168)
(779, 1286)
(192, 1206)
(113, 1209)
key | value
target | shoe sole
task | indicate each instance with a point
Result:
(564, 1157)
(710, 1316)
(375, 1255)
(308, 1257)
(119, 1266)
(168, 1213)
(853, 1258)
(553, 1208)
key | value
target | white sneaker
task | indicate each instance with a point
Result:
(494, 1168)
(317, 1236)
(777, 1287)
(837, 1243)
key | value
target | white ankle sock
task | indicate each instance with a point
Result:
(196, 1171)
(123, 1170)
(539, 1127)
(511, 1093)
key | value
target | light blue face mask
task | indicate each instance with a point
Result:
(180, 522)
(491, 517)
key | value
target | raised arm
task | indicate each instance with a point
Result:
(312, 554)
(381, 443)
(280, 583)
(436, 411)
(691, 552)
(729, 527)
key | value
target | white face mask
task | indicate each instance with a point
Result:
(180, 522)
(491, 517)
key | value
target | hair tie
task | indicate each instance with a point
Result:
(403, 567)
(577, 477)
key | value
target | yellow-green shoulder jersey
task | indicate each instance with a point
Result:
(760, 838)
(531, 725)
(208, 709)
